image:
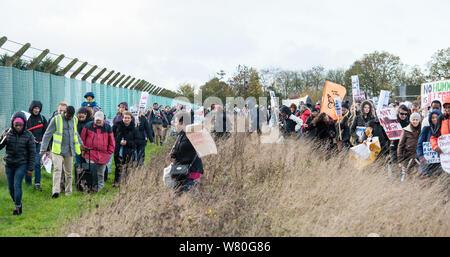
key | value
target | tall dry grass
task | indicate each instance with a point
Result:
(252, 189)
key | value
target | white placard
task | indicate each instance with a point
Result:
(444, 144)
(47, 162)
(338, 106)
(430, 155)
(383, 101)
(143, 101)
(201, 140)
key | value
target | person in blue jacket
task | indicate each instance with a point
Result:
(90, 99)
(427, 131)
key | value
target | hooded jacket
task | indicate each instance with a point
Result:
(100, 140)
(128, 133)
(426, 133)
(288, 124)
(119, 115)
(36, 120)
(20, 147)
(408, 143)
(378, 131)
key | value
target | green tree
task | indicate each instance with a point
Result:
(254, 87)
(187, 90)
(215, 87)
(376, 71)
(439, 66)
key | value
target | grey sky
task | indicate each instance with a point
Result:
(170, 42)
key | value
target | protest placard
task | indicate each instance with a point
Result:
(444, 144)
(338, 106)
(383, 101)
(47, 162)
(143, 101)
(435, 90)
(356, 92)
(201, 140)
(430, 155)
(360, 131)
(134, 111)
(390, 124)
(330, 92)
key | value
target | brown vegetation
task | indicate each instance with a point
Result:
(252, 189)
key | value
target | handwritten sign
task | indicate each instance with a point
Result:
(430, 155)
(444, 144)
(201, 140)
(435, 90)
(390, 124)
(383, 101)
(356, 92)
(143, 101)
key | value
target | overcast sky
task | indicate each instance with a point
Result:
(171, 42)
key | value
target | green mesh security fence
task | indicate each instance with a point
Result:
(18, 88)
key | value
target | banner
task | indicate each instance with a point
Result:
(338, 106)
(391, 126)
(444, 144)
(201, 140)
(383, 101)
(143, 101)
(330, 92)
(430, 155)
(434, 91)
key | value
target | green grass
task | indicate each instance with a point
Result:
(42, 215)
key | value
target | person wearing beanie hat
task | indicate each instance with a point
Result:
(122, 107)
(406, 151)
(89, 96)
(19, 157)
(98, 137)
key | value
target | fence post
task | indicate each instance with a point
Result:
(37, 60)
(13, 59)
(77, 71)
(129, 83)
(3, 40)
(135, 84)
(113, 78)
(68, 67)
(125, 81)
(86, 76)
(54, 64)
(117, 81)
(98, 75)
(107, 77)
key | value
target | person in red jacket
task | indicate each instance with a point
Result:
(304, 113)
(99, 138)
(442, 125)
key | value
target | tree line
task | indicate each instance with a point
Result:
(376, 71)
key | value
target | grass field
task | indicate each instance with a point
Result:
(44, 216)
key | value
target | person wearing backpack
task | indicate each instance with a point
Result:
(36, 124)
(19, 157)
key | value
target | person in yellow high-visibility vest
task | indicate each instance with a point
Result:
(66, 144)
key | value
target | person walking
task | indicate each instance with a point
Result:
(169, 116)
(66, 144)
(361, 120)
(36, 124)
(406, 151)
(144, 133)
(125, 135)
(98, 137)
(19, 157)
(425, 135)
(156, 118)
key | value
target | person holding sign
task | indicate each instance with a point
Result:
(377, 130)
(443, 126)
(361, 120)
(408, 142)
(19, 157)
(424, 137)
(184, 153)
(403, 119)
(343, 128)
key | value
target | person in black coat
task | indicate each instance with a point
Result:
(287, 125)
(19, 157)
(378, 131)
(325, 130)
(37, 125)
(342, 127)
(182, 153)
(144, 133)
(125, 135)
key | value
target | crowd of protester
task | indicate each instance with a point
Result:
(83, 136)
